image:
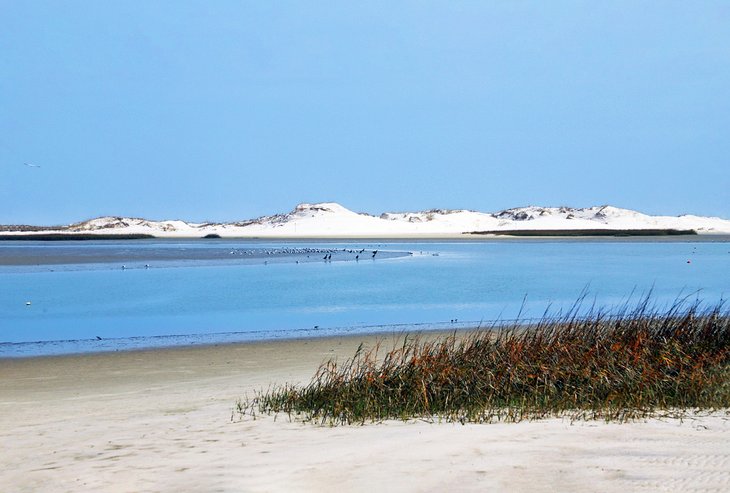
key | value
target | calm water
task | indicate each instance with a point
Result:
(198, 299)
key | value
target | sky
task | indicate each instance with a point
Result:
(216, 110)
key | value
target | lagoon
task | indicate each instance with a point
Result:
(198, 292)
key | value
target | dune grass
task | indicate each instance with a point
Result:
(600, 366)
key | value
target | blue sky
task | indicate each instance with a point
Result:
(230, 110)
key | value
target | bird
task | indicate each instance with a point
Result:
(30, 165)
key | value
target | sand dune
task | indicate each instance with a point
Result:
(332, 220)
(161, 421)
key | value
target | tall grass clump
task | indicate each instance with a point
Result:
(600, 366)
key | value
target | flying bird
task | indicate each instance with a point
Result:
(32, 165)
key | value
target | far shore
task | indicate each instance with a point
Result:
(161, 420)
(579, 235)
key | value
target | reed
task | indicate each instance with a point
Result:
(597, 366)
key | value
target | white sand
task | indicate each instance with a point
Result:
(161, 421)
(331, 220)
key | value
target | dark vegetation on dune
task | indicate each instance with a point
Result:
(28, 227)
(74, 236)
(600, 366)
(588, 232)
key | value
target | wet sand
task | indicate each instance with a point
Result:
(161, 421)
(166, 253)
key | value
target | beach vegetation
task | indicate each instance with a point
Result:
(621, 366)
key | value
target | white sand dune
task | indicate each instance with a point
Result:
(334, 220)
(161, 421)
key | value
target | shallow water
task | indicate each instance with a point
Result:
(201, 297)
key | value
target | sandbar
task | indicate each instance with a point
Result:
(167, 253)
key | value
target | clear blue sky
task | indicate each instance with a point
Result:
(212, 110)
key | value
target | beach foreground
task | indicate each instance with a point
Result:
(161, 421)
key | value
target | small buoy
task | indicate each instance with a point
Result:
(27, 303)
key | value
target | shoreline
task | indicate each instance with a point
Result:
(160, 420)
(410, 330)
(497, 235)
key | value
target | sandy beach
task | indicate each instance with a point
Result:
(161, 421)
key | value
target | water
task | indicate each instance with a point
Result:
(191, 298)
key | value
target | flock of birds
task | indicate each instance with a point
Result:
(357, 253)
(288, 252)
(308, 252)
